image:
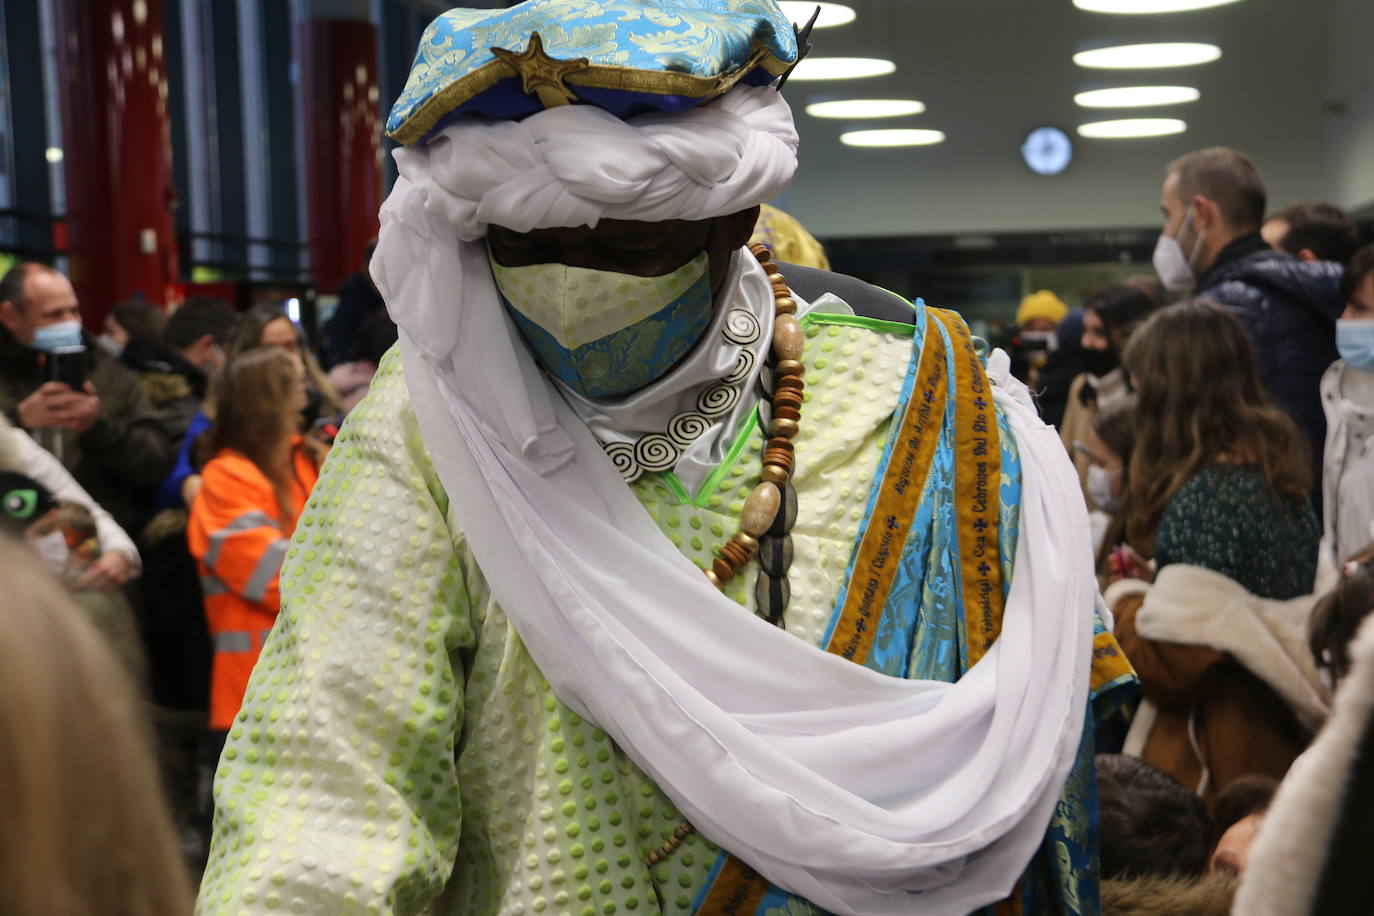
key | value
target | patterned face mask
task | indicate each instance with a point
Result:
(606, 334)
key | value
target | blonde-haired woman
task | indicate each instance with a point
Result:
(85, 828)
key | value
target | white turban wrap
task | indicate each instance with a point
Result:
(862, 793)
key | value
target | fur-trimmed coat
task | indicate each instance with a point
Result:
(1229, 685)
(1157, 896)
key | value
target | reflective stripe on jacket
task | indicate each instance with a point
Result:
(238, 536)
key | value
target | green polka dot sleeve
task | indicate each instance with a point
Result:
(337, 790)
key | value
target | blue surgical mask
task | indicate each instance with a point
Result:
(50, 338)
(606, 334)
(1355, 341)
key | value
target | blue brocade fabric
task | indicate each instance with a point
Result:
(630, 358)
(652, 40)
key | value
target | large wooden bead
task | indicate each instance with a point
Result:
(760, 509)
(773, 474)
(787, 337)
(771, 597)
(785, 305)
(785, 428)
(787, 513)
(775, 555)
(786, 367)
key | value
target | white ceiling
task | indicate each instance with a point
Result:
(991, 70)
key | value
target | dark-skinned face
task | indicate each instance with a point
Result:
(628, 246)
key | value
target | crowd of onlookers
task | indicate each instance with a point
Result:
(158, 470)
(1219, 417)
(1220, 423)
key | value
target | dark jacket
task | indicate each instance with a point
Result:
(358, 301)
(174, 387)
(123, 456)
(1289, 308)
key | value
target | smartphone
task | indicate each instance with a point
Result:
(66, 365)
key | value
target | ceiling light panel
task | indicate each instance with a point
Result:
(1137, 96)
(865, 108)
(1128, 128)
(832, 14)
(1148, 56)
(841, 68)
(1137, 7)
(876, 138)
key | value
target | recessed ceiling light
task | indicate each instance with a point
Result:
(832, 14)
(865, 108)
(1132, 127)
(1147, 6)
(841, 68)
(909, 137)
(1137, 96)
(1148, 56)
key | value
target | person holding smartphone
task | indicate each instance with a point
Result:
(77, 401)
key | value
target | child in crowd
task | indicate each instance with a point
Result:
(63, 533)
(1238, 812)
(1338, 615)
(1152, 824)
(1155, 841)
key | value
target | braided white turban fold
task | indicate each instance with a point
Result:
(863, 793)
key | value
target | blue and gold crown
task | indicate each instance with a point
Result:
(625, 56)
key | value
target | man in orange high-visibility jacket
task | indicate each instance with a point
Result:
(238, 536)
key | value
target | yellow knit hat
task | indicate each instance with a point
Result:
(1043, 304)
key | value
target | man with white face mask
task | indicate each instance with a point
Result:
(1348, 398)
(1213, 202)
(653, 576)
(104, 431)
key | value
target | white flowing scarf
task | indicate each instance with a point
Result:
(862, 793)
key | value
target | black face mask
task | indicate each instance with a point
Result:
(1100, 362)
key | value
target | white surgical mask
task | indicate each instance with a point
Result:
(110, 345)
(1175, 268)
(53, 551)
(53, 337)
(1355, 342)
(1101, 487)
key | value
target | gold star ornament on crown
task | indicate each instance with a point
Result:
(540, 74)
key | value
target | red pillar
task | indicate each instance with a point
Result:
(343, 144)
(117, 152)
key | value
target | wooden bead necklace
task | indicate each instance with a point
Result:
(773, 501)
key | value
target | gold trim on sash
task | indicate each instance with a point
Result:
(737, 891)
(977, 480)
(1109, 662)
(899, 494)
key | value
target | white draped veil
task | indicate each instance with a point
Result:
(849, 788)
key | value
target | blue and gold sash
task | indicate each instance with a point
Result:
(925, 591)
